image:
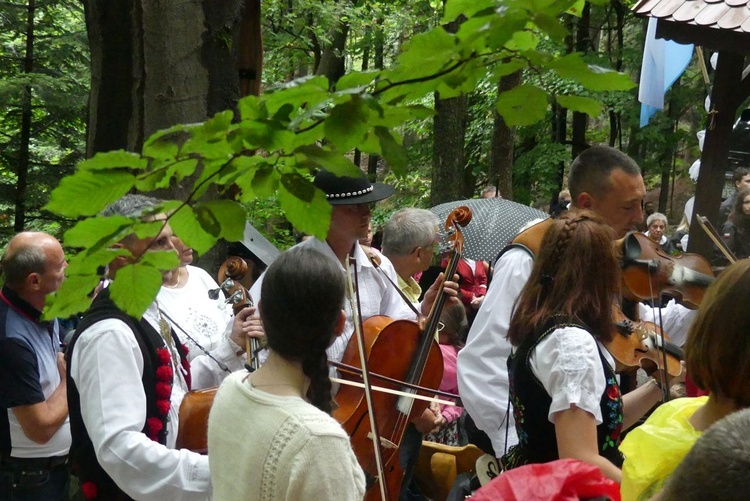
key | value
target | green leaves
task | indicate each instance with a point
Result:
(201, 226)
(86, 193)
(304, 205)
(336, 163)
(135, 287)
(590, 76)
(585, 105)
(523, 105)
(347, 124)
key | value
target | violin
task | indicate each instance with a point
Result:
(634, 342)
(402, 350)
(648, 272)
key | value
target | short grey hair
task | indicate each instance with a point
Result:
(717, 465)
(21, 263)
(656, 216)
(407, 229)
(134, 205)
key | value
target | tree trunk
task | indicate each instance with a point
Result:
(448, 156)
(378, 59)
(560, 136)
(333, 58)
(23, 152)
(251, 50)
(615, 122)
(580, 120)
(157, 64)
(501, 148)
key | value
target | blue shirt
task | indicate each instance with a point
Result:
(28, 374)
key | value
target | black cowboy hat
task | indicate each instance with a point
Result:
(351, 190)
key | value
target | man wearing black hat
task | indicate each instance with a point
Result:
(350, 218)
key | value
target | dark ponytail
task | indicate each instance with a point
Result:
(301, 300)
(315, 366)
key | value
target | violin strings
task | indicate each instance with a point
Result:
(660, 323)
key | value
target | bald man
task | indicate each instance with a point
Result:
(34, 429)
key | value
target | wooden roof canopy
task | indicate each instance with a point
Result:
(722, 26)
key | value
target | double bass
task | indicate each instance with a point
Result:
(401, 350)
(196, 405)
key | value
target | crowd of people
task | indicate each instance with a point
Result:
(527, 344)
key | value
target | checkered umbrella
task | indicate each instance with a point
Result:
(494, 224)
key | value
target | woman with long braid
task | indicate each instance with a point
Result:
(270, 433)
(565, 396)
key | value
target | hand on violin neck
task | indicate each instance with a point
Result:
(449, 287)
(247, 324)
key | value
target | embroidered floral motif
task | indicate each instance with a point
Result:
(519, 412)
(614, 408)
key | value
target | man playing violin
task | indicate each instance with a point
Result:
(126, 379)
(351, 199)
(602, 179)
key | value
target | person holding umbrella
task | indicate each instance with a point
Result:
(602, 179)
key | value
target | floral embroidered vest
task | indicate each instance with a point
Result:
(531, 403)
(157, 385)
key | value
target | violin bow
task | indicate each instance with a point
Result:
(704, 223)
(353, 292)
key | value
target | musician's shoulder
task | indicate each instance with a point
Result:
(531, 237)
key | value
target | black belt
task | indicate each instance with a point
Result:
(14, 463)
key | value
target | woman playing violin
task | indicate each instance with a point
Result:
(718, 360)
(270, 433)
(565, 396)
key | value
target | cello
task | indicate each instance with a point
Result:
(403, 350)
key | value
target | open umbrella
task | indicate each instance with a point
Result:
(494, 223)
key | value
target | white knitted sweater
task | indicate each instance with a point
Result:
(267, 447)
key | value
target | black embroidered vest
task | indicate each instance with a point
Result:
(95, 482)
(531, 404)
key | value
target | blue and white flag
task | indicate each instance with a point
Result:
(663, 63)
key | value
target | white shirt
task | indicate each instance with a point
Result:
(377, 296)
(191, 310)
(483, 362)
(567, 364)
(107, 366)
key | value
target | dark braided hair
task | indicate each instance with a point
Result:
(576, 276)
(301, 300)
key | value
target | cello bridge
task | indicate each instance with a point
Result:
(384, 442)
